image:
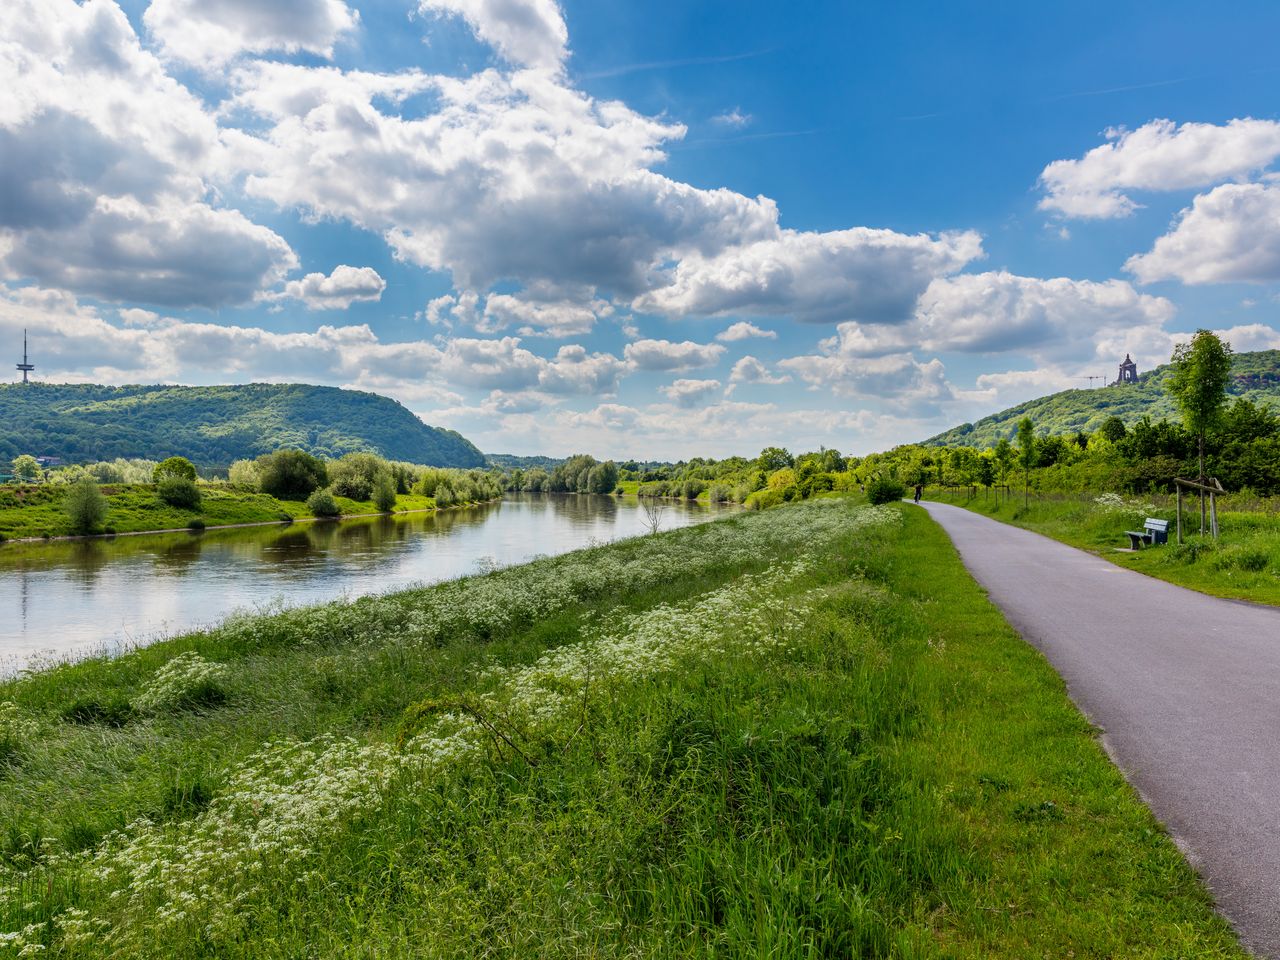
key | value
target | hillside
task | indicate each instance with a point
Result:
(214, 425)
(1256, 378)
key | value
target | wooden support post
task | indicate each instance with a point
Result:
(1213, 515)
(1178, 487)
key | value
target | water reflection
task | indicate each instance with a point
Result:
(70, 597)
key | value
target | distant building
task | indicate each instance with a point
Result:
(1128, 372)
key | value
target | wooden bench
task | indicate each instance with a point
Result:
(1153, 531)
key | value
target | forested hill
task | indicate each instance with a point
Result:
(1256, 376)
(213, 426)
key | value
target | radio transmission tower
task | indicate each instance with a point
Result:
(24, 366)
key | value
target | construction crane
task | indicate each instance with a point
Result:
(1090, 379)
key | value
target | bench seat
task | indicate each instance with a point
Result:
(1153, 532)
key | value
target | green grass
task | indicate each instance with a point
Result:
(769, 736)
(38, 511)
(1243, 564)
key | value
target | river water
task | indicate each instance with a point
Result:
(67, 599)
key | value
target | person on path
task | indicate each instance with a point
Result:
(919, 490)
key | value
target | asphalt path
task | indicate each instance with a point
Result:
(1186, 688)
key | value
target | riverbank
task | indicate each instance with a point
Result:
(1243, 564)
(37, 512)
(767, 734)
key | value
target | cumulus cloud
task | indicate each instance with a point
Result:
(208, 33)
(106, 165)
(742, 330)
(534, 317)
(527, 33)
(666, 355)
(751, 370)
(1160, 155)
(343, 287)
(898, 382)
(856, 274)
(1054, 319)
(690, 393)
(1231, 233)
(734, 119)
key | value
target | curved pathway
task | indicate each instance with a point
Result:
(1186, 688)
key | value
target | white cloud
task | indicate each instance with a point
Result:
(528, 33)
(1050, 320)
(208, 33)
(343, 287)
(551, 318)
(666, 355)
(751, 370)
(1159, 155)
(856, 274)
(574, 370)
(107, 164)
(742, 330)
(1231, 233)
(898, 382)
(690, 393)
(734, 119)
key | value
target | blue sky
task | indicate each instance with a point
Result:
(654, 230)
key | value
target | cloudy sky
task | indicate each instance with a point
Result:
(652, 229)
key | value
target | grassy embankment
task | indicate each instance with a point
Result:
(38, 511)
(769, 736)
(1244, 563)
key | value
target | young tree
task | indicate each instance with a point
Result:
(1198, 385)
(1026, 456)
(86, 506)
(26, 469)
(384, 493)
(178, 467)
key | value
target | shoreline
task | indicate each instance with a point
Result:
(237, 526)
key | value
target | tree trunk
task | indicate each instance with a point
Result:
(1202, 480)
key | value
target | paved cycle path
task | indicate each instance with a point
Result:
(1186, 688)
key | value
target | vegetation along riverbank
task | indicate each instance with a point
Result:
(767, 735)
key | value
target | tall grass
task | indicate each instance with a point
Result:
(771, 735)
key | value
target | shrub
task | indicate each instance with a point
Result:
(16, 732)
(384, 493)
(243, 473)
(186, 681)
(355, 475)
(195, 524)
(179, 467)
(179, 492)
(719, 493)
(885, 490)
(322, 504)
(444, 496)
(692, 488)
(86, 506)
(763, 499)
(291, 474)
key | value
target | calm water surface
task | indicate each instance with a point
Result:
(66, 599)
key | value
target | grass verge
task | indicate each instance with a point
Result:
(796, 733)
(1243, 564)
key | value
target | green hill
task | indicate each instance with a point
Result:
(214, 425)
(1256, 378)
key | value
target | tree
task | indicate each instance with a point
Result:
(1113, 429)
(772, 459)
(86, 506)
(1026, 456)
(1198, 385)
(603, 478)
(1004, 457)
(177, 467)
(322, 504)
(290, 474)
(243, 473)
(384, 493)
(26, 469)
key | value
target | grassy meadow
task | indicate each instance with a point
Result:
(770, 735)
(1242, 564)
(39, 511)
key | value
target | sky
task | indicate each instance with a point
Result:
(653, 230)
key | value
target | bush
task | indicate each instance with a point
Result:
(384, 493)
(179, 467)
(719, 493)
(195, 524)
(243, 473)
(186, 681)
(322, 504)
(86, 506)
(291, 474)
(355, 475)
(884, 490)
(179, 492)
(692, 488)
(763, 499)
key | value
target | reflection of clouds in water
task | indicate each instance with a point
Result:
(91, 594)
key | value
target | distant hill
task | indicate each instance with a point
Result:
(1256, 376)
(214, 425)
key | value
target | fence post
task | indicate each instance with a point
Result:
(1213, 515)
(1178, 487)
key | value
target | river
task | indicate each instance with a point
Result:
(66, 599)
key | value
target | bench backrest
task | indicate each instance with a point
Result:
(1152, 524)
